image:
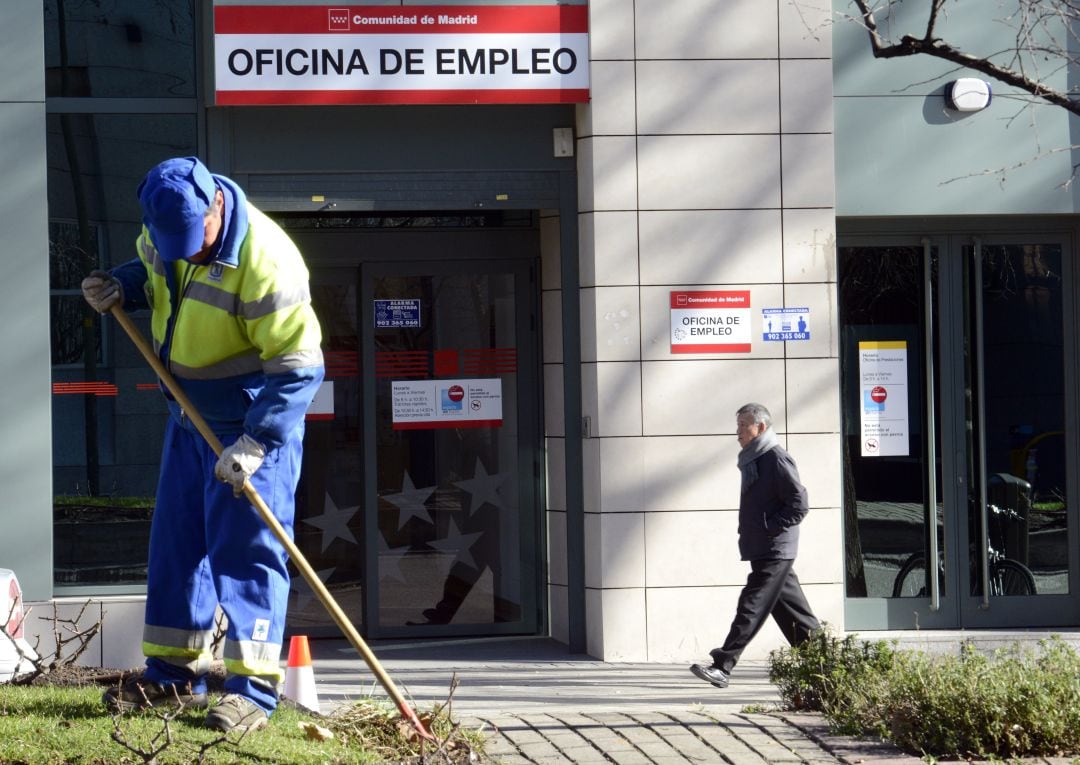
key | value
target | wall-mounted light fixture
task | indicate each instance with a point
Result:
(968, 94)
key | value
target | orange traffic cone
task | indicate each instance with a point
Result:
(299, 676)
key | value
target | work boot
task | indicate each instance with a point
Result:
(236, 713)
(138, 693)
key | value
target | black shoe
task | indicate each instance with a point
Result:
(137, 693)
(714, 675)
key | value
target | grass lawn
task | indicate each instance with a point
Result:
(50, 725)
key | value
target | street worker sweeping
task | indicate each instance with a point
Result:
(232, 321)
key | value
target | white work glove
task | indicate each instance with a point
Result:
(239, 462)
(102, 291)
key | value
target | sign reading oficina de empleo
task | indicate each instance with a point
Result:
(785, 324)
(710, 321)
(400, 54)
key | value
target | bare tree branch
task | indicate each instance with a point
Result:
(1035, 22)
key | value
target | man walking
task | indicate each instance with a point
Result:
(772, 503)
(232, 321)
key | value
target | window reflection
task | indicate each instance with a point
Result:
(108, 416)
(74, 250)
(1023, 364)
(120, 48)
(885, 497)
(329, 527)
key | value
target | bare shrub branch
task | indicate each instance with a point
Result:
(70, 641)
(163, 739)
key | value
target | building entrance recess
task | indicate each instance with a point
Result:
(421, 496)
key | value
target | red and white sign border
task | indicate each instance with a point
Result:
(274, 54)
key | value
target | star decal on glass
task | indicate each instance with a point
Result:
(482, 487)
(390, 560)
(410, 501)
(304, 593)
(334, 522)
(458, 543)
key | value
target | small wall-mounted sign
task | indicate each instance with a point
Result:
(397, 314)
(785, 324)
(322, 406)
(710, 321)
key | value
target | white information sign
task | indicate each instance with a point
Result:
(884, 389)
(429, 404)
(322, 406)
(710, 321)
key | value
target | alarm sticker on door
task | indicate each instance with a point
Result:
(397, 314)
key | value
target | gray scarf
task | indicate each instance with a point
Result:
(763, 443)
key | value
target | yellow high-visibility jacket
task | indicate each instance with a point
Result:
(237, 331)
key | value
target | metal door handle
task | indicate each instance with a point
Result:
(931, 446)
(980, 414)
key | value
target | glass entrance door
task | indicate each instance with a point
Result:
(452, 478)
(423, 522)
(956, 369)
(1015, 424)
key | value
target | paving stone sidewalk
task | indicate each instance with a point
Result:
(680, 738)
(663, 738)
(542, 706)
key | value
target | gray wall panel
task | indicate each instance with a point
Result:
(391, 139)
(895, 158)
(26, 446)
(22, 39)
(898, 146)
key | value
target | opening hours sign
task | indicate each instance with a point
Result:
(400, 54)
(710, 321)
(883, 379)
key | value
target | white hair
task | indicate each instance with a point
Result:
(758, 412)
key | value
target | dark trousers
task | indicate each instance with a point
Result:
(771, 588)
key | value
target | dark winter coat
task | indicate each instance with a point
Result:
(771, 508)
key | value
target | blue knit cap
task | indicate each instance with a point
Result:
(175, 196)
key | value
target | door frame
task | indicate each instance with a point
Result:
(949, 237)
